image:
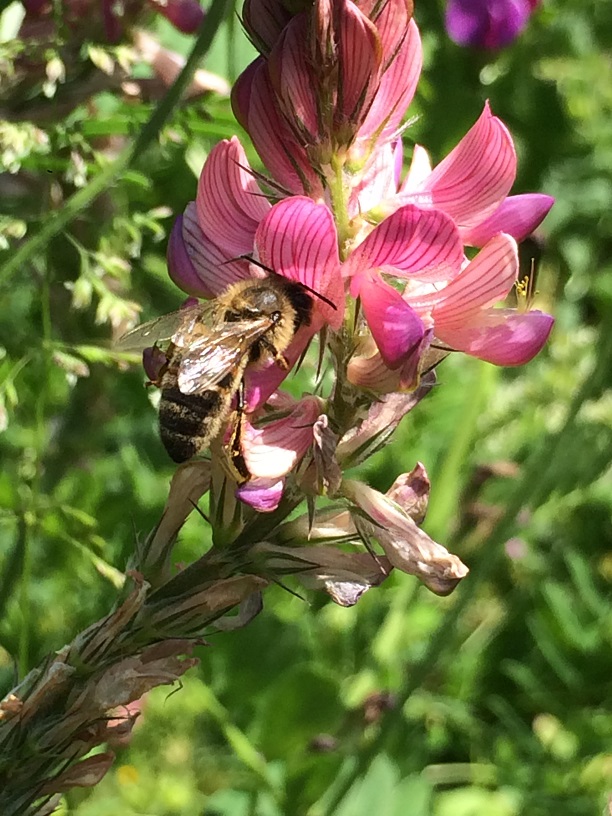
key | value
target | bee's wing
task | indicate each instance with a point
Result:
(174, 326)
(215, 354)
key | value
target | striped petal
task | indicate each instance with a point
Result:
(230, 203)
(484, 282)
(254, 103)
(397, 87)
(517, 216)
(476, 176)
(274, 449)
(411, 241)
(360, 56)
(503, 337)
(292, 77)
(213, 269)
(298, 240)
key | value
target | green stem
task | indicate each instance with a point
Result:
(83, 198)
(539, 475)
(339, 205)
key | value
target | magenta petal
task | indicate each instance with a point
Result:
(476, 176)
(502, 336)
(213, 269)
(230, 203)
(154, 361)
(263, 495)
(517, 216)
(484, 281)
(412, 241)
(486, 23)
(396, 328)
(298, 239)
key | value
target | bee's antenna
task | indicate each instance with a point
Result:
(263, 266)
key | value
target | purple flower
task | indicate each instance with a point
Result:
(487, 23)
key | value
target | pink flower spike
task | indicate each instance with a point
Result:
(263, 495)
(484, 281)
(503, 337)
(274, 449)
(517, 216)
(298, 239)
(230, 203)
(411, 241)
(214, 270)
(396, 328)
(476, 176)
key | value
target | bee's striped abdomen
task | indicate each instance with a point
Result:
(187, 422)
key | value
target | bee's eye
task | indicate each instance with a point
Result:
(276, 317)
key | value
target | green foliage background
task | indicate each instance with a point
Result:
(493, 702)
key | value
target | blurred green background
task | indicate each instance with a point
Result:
(492, 702)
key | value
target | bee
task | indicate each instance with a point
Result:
(211, 346)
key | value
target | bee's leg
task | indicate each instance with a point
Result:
(241, 472)
(278, 358)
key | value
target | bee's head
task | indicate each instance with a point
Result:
(285, 302)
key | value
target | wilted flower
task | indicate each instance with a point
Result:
(487, 24)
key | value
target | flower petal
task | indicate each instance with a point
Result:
(396, 328)
(292, 77)
(230, 203)
(264, 20)
(420, 169)
(411, 241)
(213, 269)
(503, 337)
(297, 239)
(360, 56)
(263, 495)
(254, 104)
(476, 176)
(485, 24)
(397, 86)
(484, 281)
(517, 216)
(180, 268)
(274, 449)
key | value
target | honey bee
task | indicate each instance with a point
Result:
(211, 346)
